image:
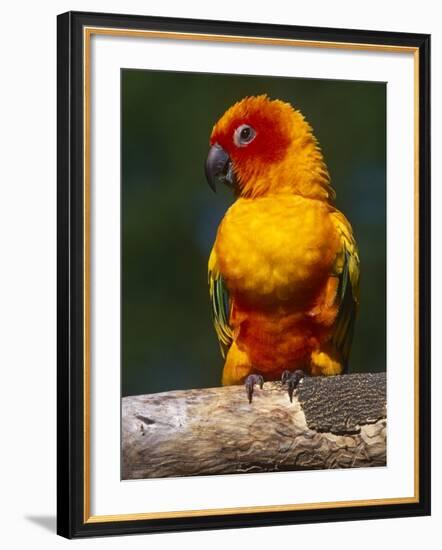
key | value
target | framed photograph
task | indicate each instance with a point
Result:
(259, 355)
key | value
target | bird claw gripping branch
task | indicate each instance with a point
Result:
(250, 382)
(292, 379)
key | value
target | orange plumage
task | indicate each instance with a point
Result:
(284, 268)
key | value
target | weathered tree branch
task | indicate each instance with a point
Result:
(333, 422)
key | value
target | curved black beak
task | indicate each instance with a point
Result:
(219, 167)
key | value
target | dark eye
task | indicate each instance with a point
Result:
(243, 135)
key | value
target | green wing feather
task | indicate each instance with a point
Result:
(347, 270)
(220, 300)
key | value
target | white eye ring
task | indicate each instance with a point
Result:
(243, 135)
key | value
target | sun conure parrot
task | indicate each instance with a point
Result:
(284, 269)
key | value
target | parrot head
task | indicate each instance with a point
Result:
(262, 146)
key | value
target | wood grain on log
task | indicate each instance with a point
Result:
(333, 422)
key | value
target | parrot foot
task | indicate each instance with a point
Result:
(250, 382)
(292, 379)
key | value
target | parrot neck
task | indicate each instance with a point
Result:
(310, 177)
(302, 171)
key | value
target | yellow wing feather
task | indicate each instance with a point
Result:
(347, 269)
(220, 301)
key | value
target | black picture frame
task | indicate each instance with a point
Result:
(72, 518)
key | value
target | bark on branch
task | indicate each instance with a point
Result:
(333, 422)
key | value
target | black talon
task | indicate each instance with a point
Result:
(292, 379)
(250, 382)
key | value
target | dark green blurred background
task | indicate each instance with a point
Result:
(170, 215)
